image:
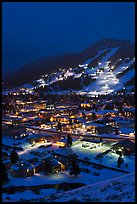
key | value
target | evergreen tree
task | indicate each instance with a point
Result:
(70, 121)
(94, 106)
(116, 131)
(101, 140)
(69, 140)
(74, 168)
(94, 117)
(83, 114)
(119, 161)
(14, 156)
(59, 126)
(4, 174)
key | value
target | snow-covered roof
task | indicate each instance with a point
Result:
(125, 143)
(6, 161)
(15, 167)
(93, 124)
(101, 112)
(35, 136)
(22, 165)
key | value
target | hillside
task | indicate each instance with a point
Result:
(104, 67)
(119, 189)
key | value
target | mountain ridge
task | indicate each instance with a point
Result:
(47, 65)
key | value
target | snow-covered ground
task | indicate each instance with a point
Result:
(107, 82)
(127, 130)
(123, 66)
(120, 189)
(27, 195)
(110, 189)
(83, 177)
(108, 160)
(39, 178)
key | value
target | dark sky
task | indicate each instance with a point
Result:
(38, 29)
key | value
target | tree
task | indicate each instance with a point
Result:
(101, 140)
(69, 140)
(4, 174)
(59, 126)
(94, 117)
(94, 106)
(14, 156)
(116, 131)
(119, 161)
(74, 168)
(70, 121)
(84, 116)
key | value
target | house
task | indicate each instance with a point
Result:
(62, 118)
(50, 165)
(129, 112)
(14, 130)
(35, 163)
(85, 105)
(50, 107)
(36, 121)
(95, 128)
(23, 169)
(106, 121)
(64, 162)
(125, 146)
(38, 138)
(39, 105)
(61, 143)
(44, 114)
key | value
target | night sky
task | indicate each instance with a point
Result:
(34, 30)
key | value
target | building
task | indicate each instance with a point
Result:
(51, 165)
(61, 143)
(36, 164)
(39, 105)
(14, 130)
(38, 138)
(126, 147)
(129, 112)
(97, 128)
(63, 160)
(85, 105)
(23, 169)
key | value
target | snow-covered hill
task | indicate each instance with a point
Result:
(103, 68)
(119, 189)
(101, 79)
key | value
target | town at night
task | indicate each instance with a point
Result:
(68, 119)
